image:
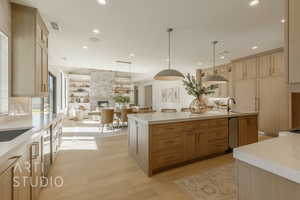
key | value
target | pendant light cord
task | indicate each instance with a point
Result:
(214, 54)
(169, 31)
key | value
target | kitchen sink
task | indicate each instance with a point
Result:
(6, 136)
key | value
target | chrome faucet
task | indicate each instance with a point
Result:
(228, 103)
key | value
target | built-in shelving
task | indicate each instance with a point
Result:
(79, 91)
(122, 83)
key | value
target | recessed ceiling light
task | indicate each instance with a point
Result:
(254, 3)
(102, 2)
(255, 47)
(96, 31)
(132, 55)
(85, 47)
(283, 21)
(222, 57)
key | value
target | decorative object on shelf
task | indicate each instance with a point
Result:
(197, 89)
(79, 91)
(169, 74)
(122, 83)
(122, 100)
(215, 78)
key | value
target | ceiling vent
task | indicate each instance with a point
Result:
(94, 39)
(55, 26)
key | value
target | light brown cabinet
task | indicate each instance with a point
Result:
(271, 65)
(161, 146)
(239, 68)
(6, 184)
(293, 42)
(273, 105)
(248, 130)
(250, 68)
(22, 177)
(29, 52)
(264, 66)
(277, 64)
(258, 184)
(36, 168)
(246, 95)
(20, 181)
(15, 181)
(138, 143)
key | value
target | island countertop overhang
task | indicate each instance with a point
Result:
(279, 156)
(161, 118)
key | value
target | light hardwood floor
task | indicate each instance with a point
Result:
(108, 173)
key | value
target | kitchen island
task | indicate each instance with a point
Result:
(269, 169)
(159, 141)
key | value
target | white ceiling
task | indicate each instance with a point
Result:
(139, 27)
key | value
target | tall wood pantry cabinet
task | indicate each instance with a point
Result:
(29, 52)
(245, 89)
(293, 40)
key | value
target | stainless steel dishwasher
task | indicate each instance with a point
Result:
(233, 132)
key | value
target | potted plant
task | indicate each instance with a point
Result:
(122, 100)
(197, 89)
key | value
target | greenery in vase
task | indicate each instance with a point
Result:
(122, 99)
(196, 88)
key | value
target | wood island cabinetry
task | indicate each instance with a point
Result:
(248, 130)
(157, 147)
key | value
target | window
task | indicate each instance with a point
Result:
(52, 93)
(3, 73)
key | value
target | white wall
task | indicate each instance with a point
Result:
(157, 87)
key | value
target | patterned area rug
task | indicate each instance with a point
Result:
(216, 184)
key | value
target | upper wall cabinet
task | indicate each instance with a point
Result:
(293, 41)
(29, 52)
(271, 65)
(246, 69)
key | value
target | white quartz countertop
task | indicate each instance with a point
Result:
(160, 118)
(280, 156)
(36, 123)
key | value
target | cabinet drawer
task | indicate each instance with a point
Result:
(218, 146)
(218, 133)
(164, 160)
(165, 144)
(166, 132)
(218, 123)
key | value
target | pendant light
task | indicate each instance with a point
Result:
(169, 74)
(215, 78)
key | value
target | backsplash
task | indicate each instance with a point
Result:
(25, 106)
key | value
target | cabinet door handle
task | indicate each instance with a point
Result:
(137, 140)
(36, 147)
